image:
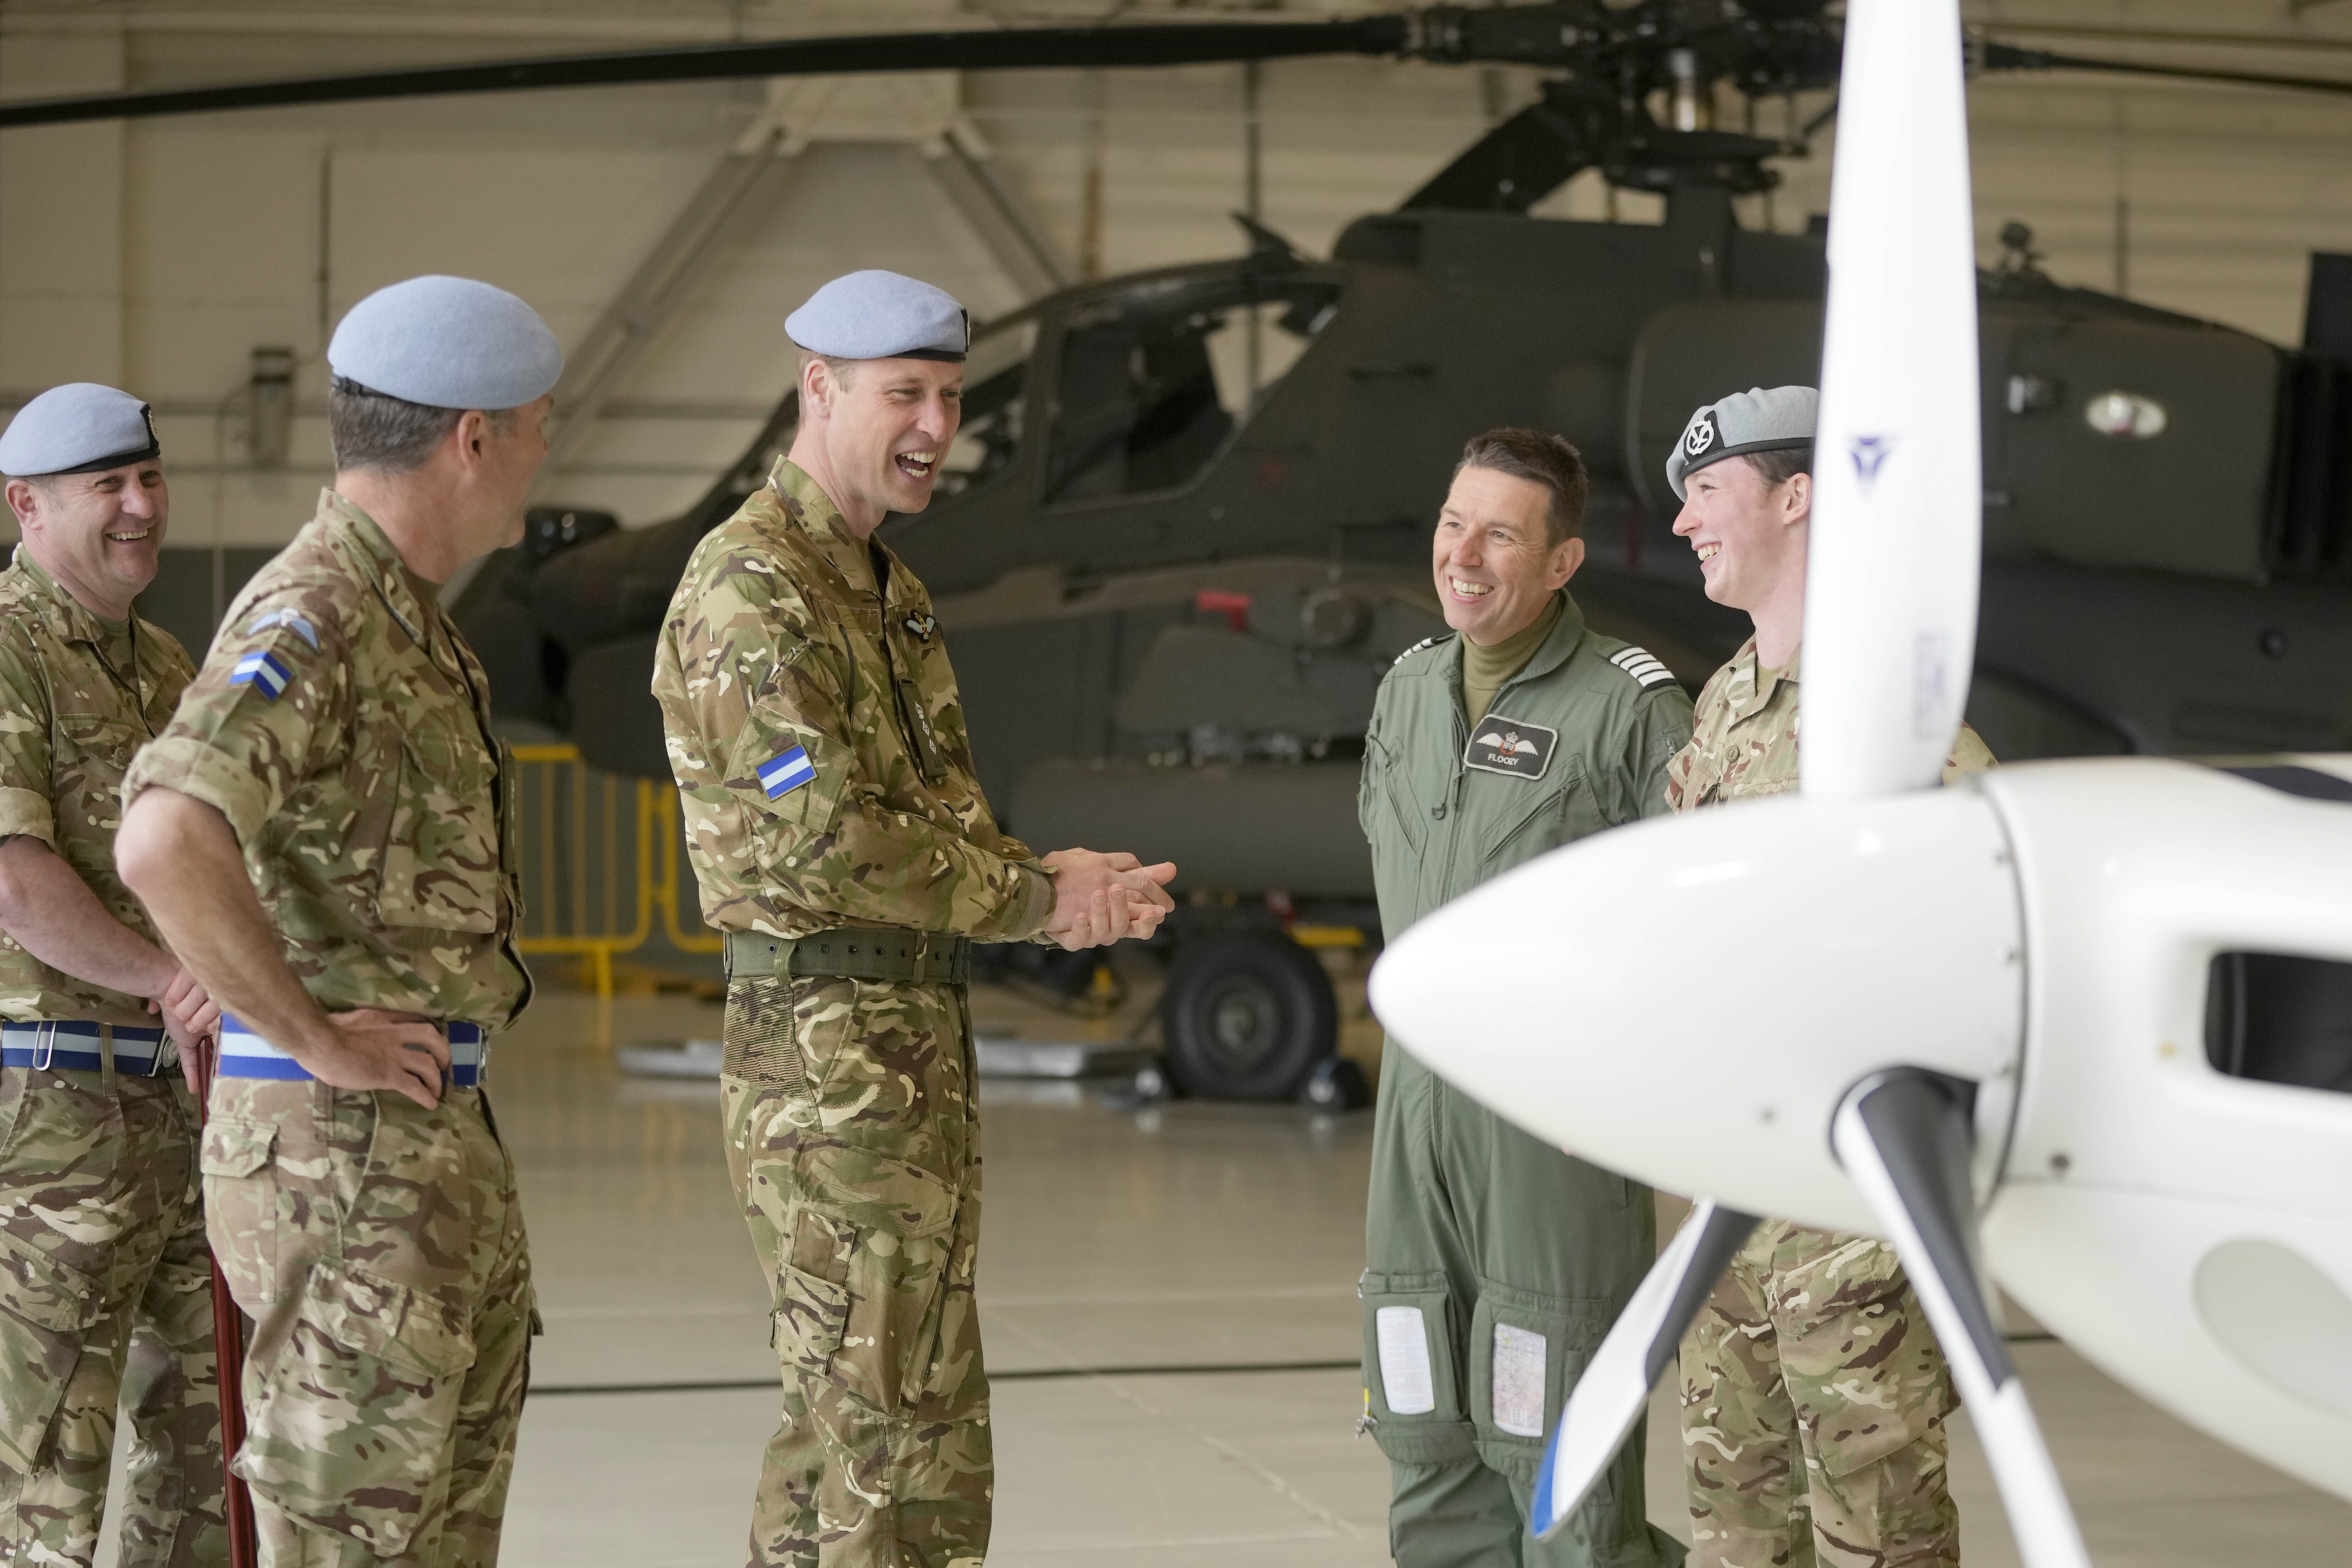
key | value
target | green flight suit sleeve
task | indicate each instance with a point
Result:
(1660, 729)
(25, 759)
(753, 681)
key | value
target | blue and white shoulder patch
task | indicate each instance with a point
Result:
(1425, 642)
(261, 671)
(291, 619)
(1642, 666)
(787, 772)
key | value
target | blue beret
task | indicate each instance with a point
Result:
(1780, 420)
(446, 342)
(881, 315)
(80, 428)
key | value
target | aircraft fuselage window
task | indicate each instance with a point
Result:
(1155, 380)
(2281, 1020)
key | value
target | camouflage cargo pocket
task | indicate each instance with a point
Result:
(241, 1205)
(380, 1368)
(880, 1230)
(813, 1293)
(46, 1307)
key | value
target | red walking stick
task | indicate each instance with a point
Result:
(228, 1355)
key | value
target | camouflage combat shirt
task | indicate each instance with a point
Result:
(343, 728)
(77, 700)
(1744, 740)
(823, 766)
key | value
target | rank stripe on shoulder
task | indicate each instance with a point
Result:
(1425, 642)
(1642, 666)
(261, 671)
(787, 772)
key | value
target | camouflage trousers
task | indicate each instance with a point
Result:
(378, 1247)
(105, 1303)
(1812, 1347)
(852, 1141)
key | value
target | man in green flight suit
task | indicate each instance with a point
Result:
(837, 827)
(1495, 1263)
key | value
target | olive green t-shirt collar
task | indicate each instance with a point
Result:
(1566, 633)
(1486, 670)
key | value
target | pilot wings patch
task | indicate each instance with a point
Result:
(1502, 746)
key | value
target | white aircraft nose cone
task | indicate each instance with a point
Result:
(1686, 1001)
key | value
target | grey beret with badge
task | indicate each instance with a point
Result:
(1755, 420)
(80, 428)
(881, 315)
(446, 342)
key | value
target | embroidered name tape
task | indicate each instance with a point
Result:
(261, 669)
(1501, 745)
(787, 772)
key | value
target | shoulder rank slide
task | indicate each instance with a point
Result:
(1501, 745)
(1425, 642)
(787, 772)
(291, 619)
(1642, 666)
(261, 671)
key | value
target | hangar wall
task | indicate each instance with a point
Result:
(159, 255)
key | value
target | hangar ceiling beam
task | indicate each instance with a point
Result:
(744, 184)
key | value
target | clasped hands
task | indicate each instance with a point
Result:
(1098, 897)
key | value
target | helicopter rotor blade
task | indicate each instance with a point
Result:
(1170, 44)
(1890, 595)
(1903, 1136)
(1614, 1388)
(1992, 57)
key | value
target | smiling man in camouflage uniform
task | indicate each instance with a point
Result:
(1814, 1395)
(844, 844)
(103, 1270)
(324, 833)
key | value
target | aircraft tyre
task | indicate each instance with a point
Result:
(1246, 1016)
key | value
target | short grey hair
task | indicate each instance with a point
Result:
(371, 429)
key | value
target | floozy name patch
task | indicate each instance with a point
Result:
(1499, 745)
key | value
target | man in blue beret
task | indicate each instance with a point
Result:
(837, 827)
(105, 1298)
(322, 834)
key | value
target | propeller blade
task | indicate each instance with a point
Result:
(1615, 1390)
(974, 49)
(1904, 1137)
(1891, 597)
(1991, 57)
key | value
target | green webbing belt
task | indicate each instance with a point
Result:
(920, 958)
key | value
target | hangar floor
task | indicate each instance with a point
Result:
(1171, 1322)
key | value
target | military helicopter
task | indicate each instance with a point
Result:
(1172, 585)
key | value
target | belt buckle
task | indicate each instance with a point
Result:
(45, 1044)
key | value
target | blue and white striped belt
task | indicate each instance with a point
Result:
(244, 1054)
(73, 1044)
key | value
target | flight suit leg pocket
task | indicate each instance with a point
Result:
(367, 1356)
(1410, 1369)
(1527, 1351)
(241, 1205)
(46, 1308)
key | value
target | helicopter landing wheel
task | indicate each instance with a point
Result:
(1246, 1018)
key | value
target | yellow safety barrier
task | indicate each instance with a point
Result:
(601, 854)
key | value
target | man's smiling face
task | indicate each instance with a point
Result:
(892, 423)
(1745, 532)
(101, 535)
(1492, 558)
